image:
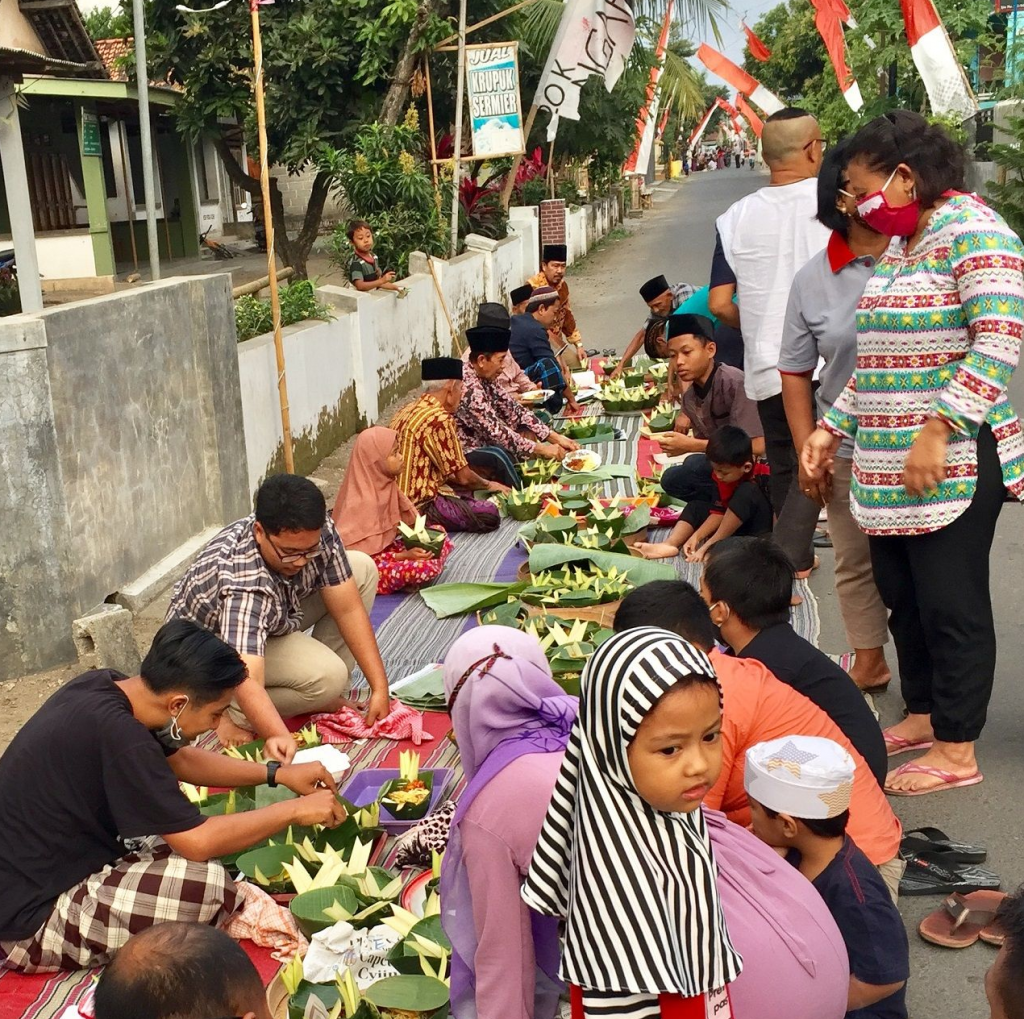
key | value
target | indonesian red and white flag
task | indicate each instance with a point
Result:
(937, 63)
(828, 19)
(647, 119)
(594, 37)
(758, 50)
(755, 122)
(698, 131)
(726, 107)
(739, 79)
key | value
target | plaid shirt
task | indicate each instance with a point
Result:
(488, 416)
(231, 590)
(565, 322)
(430, 448)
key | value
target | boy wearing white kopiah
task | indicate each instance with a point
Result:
(799, 790)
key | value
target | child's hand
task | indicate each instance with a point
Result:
(692, 551)
(414, 554)
(389, 276)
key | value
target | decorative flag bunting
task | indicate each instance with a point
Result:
(828, 19)
(699, 130)
(594, 37)
(726, 107)
(739, 79)
(755, 122)
(664, 121)
(648, 116)
(937, 63)
(758, 50)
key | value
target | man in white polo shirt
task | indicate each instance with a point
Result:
(766, 238)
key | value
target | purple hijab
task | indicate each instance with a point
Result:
(506, 705)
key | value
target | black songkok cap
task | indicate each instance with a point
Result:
(554, 253)
(696, 325)
(494, 315)
(439, 369)
(652, 288)
(520, 294)
(488, 339)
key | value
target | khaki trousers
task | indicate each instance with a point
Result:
(891, 872)
(304, 674)
(864, 616)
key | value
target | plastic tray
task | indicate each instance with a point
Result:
(365, 785)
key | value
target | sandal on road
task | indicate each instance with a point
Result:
(963, 919)
(901, 745)
(926, 875)
(932, 840)
(947, 780)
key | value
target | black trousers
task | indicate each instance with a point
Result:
(691, 480)
(796, 516)
(497, 464)
(936, 587)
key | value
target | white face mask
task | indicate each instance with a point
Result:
(175, 729)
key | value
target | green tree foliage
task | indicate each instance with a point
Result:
(1008, 196)
(800, 72)
(327, 67)
(108, 23)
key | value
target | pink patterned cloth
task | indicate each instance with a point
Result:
(266, 923)
(348, 724)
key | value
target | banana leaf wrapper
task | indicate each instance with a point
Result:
(406, 811)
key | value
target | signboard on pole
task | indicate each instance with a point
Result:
(495, 111)
(91, 134)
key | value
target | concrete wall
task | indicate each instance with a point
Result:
(65, 254)
(524, 222)
(132, 409)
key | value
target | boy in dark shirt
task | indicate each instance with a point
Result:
(364, 270)
(748, 583)
(740, 506)
(799, 791)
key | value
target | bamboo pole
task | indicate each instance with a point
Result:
(551, 168)
(127, 196)
(460, 95)
(456, 339)
(443, 44)
(262, 283)
(268, 222)
(430, 118)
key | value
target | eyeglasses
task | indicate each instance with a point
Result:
(294, 557)
(817, 141)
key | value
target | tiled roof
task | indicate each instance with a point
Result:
(111, 51)
(58, 23)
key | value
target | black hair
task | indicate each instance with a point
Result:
(671, 604)
(788, 113)
(830, 180)
(185, 657)
(286, 502)
(729, 445)
(175, 970)
(823, 827)
(901, 136)
(1010, 977)
(754, 577)
(357, 224)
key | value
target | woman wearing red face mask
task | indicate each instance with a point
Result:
(936, 442)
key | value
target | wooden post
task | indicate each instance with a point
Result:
(457, 342)
(460, 93)
(430, 118)
(551, 168)
(268, 222)
(127, 195)
(487, 21)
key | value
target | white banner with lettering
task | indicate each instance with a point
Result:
(594, 37)
(492, 85)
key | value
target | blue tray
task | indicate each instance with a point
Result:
(364, 787)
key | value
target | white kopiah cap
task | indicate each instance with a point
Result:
(803, 776)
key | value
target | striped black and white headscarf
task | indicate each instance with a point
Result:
(638, 887)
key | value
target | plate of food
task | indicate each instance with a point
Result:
(582, 461)
(537, 395)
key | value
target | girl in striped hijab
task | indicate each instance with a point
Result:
(624, 853)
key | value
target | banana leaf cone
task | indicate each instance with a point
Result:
(616, 523)
(634, 378)
(308, 908)
(406, 811)
(328, 994)
(555, 528)
(577, 430)
(509, 614)
(661, 423)
(523, 510)
(409, 992)
(432, 544)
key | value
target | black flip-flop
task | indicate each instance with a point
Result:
(932, 840)
(925, 875)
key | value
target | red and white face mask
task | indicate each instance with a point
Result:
(892, 220)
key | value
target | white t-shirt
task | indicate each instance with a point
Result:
(767, 238)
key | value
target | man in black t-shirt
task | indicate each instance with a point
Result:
(93, 776)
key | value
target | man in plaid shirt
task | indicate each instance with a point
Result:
(264, 580)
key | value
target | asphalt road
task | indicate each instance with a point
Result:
(677, 238)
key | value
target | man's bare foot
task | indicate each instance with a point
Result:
(956, 759)
(869, 670)
(231, 735)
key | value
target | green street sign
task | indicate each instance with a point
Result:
(91, 134)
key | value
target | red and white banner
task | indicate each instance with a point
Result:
(828, 19)
(594, 37)
(726, 107)
(664, 122)
(936, 60)
(739, 79)
(755, 122)
(647, 119)
(698, 131)
(758, 50)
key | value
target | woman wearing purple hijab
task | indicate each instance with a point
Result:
(512, 723)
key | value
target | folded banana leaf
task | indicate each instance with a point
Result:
(446, 600)
(639, 571)
(604, 432)
(638, 519)
(408, 993)
(509, 614)
(607, 472)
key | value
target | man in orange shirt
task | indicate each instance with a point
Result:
(757, 707)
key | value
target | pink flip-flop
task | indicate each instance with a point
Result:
(949, 780)
(901, 745)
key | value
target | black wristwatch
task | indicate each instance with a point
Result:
(272, 767)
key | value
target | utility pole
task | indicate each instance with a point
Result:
(145, 139)
(460, 90)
